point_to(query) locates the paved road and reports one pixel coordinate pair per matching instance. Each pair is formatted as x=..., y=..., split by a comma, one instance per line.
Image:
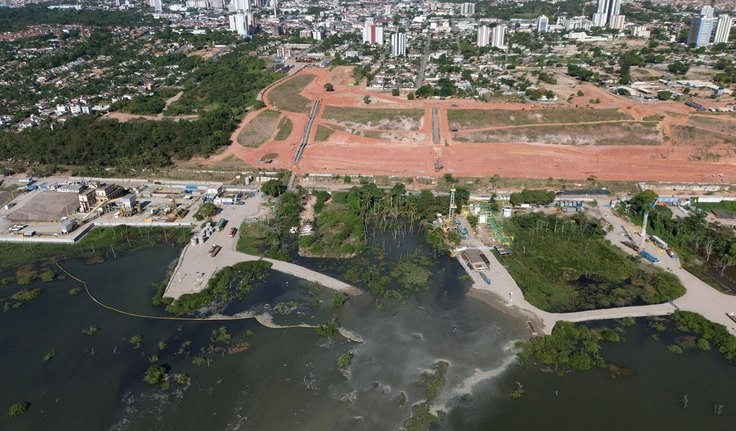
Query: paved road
x=423, y=63
x=700, y=297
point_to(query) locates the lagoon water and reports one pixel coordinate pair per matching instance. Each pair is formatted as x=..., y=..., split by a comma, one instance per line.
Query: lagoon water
x=288, y=378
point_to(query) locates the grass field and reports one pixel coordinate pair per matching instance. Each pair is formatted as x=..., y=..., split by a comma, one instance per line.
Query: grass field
x=286, y=96
x=323, y=133
x=375, y=118
x=715, y=124
x=584, y=134
x=285, y=126
x=479, y=118
x=702, y=137
x=259, y=130
x=728, y=207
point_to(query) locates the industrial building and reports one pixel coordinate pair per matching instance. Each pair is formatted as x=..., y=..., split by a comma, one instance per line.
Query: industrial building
x=476, y=260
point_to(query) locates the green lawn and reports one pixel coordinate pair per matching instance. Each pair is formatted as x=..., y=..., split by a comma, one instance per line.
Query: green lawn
x=724, y=206
x=286, y=95
x=284, y=130
x=255, y=238
x=259, y=130
x=323, y=133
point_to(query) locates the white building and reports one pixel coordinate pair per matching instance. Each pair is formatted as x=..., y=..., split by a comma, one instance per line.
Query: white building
x=707, y=11
x=242, y=19
x=237, y=5
x=239, y=23
x=543, y=24
x=373, y=34
x=607, y=9
x=723, y=29
x=640, y=31
x=498, y=36
x=617, y=22
x=156, y=4
x=701, y=28
x=398, y=44
x=467, y=9
x=484, y=36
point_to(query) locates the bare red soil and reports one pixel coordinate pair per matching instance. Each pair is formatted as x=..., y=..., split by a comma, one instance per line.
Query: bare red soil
x=413, y=153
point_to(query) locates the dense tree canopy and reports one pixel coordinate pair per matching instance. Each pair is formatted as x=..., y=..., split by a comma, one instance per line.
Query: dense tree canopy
x=13, y=19
x=225, y=87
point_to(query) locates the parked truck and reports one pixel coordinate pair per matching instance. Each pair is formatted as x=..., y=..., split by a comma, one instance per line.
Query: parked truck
x=221, y=224
x=214, y=250
x=648, y=256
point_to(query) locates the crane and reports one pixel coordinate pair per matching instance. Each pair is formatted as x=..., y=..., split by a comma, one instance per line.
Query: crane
x=644, y=225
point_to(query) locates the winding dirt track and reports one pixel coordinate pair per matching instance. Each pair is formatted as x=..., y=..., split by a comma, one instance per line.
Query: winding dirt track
x=412, y=153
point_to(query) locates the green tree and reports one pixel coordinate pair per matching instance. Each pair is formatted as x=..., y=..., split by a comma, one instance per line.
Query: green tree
x=395, y=92
x=367, y=99
x=273, y=188
x=154, y=374
x=664, y=95
x=136, y=341
x=678, y=68
x=18, y=409
x=329, y=87
x=205, y=210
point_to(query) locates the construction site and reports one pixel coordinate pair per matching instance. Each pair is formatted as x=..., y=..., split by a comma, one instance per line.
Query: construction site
x=356, y=130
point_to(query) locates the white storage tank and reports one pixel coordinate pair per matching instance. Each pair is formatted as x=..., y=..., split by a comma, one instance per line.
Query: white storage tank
x=483, y=218
x=507, y=212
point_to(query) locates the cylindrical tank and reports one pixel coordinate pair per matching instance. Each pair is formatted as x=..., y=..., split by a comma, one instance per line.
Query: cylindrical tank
x=507, y=212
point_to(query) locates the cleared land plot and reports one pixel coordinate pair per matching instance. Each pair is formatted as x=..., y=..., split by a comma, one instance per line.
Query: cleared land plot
x=375, y=118
x=701, y=137
x=46, y=206
x=323, y=133
x=584, y=134
x=480, y=118
x=259, y=130
x=285, y=126
x=286, y=96
x=714, y=124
